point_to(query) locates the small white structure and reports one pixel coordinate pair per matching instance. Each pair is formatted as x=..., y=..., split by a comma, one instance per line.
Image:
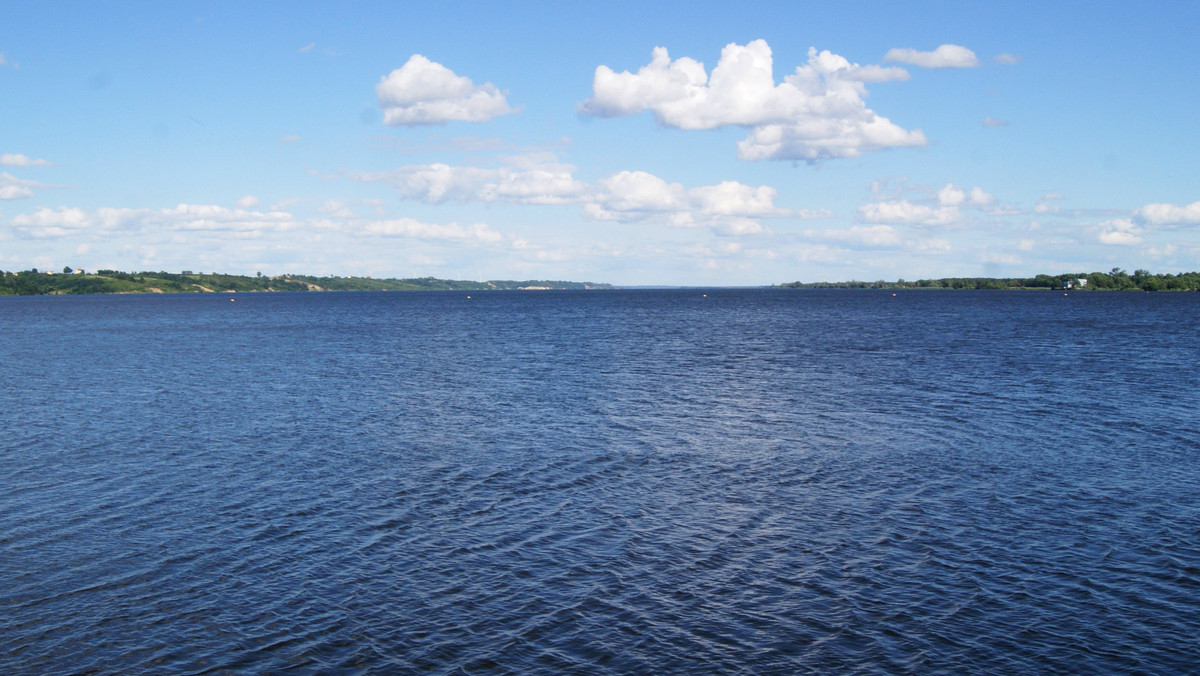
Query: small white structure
x=1081, y=282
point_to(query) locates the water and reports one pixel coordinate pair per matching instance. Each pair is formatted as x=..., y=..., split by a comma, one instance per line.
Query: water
x=605, y=482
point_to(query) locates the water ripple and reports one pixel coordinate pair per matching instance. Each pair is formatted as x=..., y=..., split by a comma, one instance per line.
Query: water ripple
x=762, y=482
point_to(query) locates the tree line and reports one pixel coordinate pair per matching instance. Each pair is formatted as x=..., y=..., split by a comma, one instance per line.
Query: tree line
x=1113, y=280
x=33, y=282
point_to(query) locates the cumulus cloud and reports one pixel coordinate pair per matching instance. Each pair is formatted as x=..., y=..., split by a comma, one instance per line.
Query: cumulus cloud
x=951, y=195
x=1006, y=59
x=1120, y=232
x=248, y=202
x=817, y=112
x=1168, y=214
x=18, y=160
x=945, y=56
x=423, y=92
x=728, y=208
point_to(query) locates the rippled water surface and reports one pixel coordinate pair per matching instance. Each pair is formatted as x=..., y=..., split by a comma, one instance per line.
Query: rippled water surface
x=610, y=482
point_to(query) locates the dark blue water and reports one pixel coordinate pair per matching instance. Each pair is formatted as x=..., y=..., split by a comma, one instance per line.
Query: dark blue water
x=601, y=482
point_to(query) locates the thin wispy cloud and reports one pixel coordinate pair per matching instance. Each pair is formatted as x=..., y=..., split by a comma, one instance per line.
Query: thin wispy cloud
x=945, y=56
x=19, y=160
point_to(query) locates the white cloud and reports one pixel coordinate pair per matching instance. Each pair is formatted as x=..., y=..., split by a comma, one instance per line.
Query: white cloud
x=817, y=112
x=14, y=192
x=993, y=122
x=248, y=201
x=337, y=209
x=1168, y=214
x=728, y=208
x=307, y=48
x=1045, y=204
x=408, y=227
x=945, y=56
x=63, y=221
x=632, y=195
x=52, y=223
x=875, y=236
x=1006, y=59
x=951, y=195
x=980, y=198
x=730, y=198
x=627, y=196
x=904, y=211
x=528, y=182
x=18, y=160
x=13, y=188
x=948, y=211
x=290, y=138
x=426, y=92
x=1121, y=232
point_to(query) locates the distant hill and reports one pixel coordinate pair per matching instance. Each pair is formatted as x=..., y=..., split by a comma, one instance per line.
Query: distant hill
x=1113, y=280
x=32, y=282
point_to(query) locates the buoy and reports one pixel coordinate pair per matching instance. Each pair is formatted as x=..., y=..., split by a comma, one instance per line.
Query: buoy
x=230, y=300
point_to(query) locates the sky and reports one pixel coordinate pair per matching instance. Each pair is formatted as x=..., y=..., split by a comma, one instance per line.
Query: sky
x=634, y=143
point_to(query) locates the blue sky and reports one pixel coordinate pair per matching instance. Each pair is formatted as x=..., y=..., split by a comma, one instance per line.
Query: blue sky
x=631, y=143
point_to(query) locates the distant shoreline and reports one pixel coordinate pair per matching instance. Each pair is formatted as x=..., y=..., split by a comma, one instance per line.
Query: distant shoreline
x=34, y=283
x=75, y=282
x=1114, y=280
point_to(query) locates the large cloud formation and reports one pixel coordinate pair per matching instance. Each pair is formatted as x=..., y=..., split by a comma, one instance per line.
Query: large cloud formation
x=425, y=92
x=817, y=112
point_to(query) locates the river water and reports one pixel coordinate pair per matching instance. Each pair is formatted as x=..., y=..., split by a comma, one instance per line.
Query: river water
x=683, y=481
